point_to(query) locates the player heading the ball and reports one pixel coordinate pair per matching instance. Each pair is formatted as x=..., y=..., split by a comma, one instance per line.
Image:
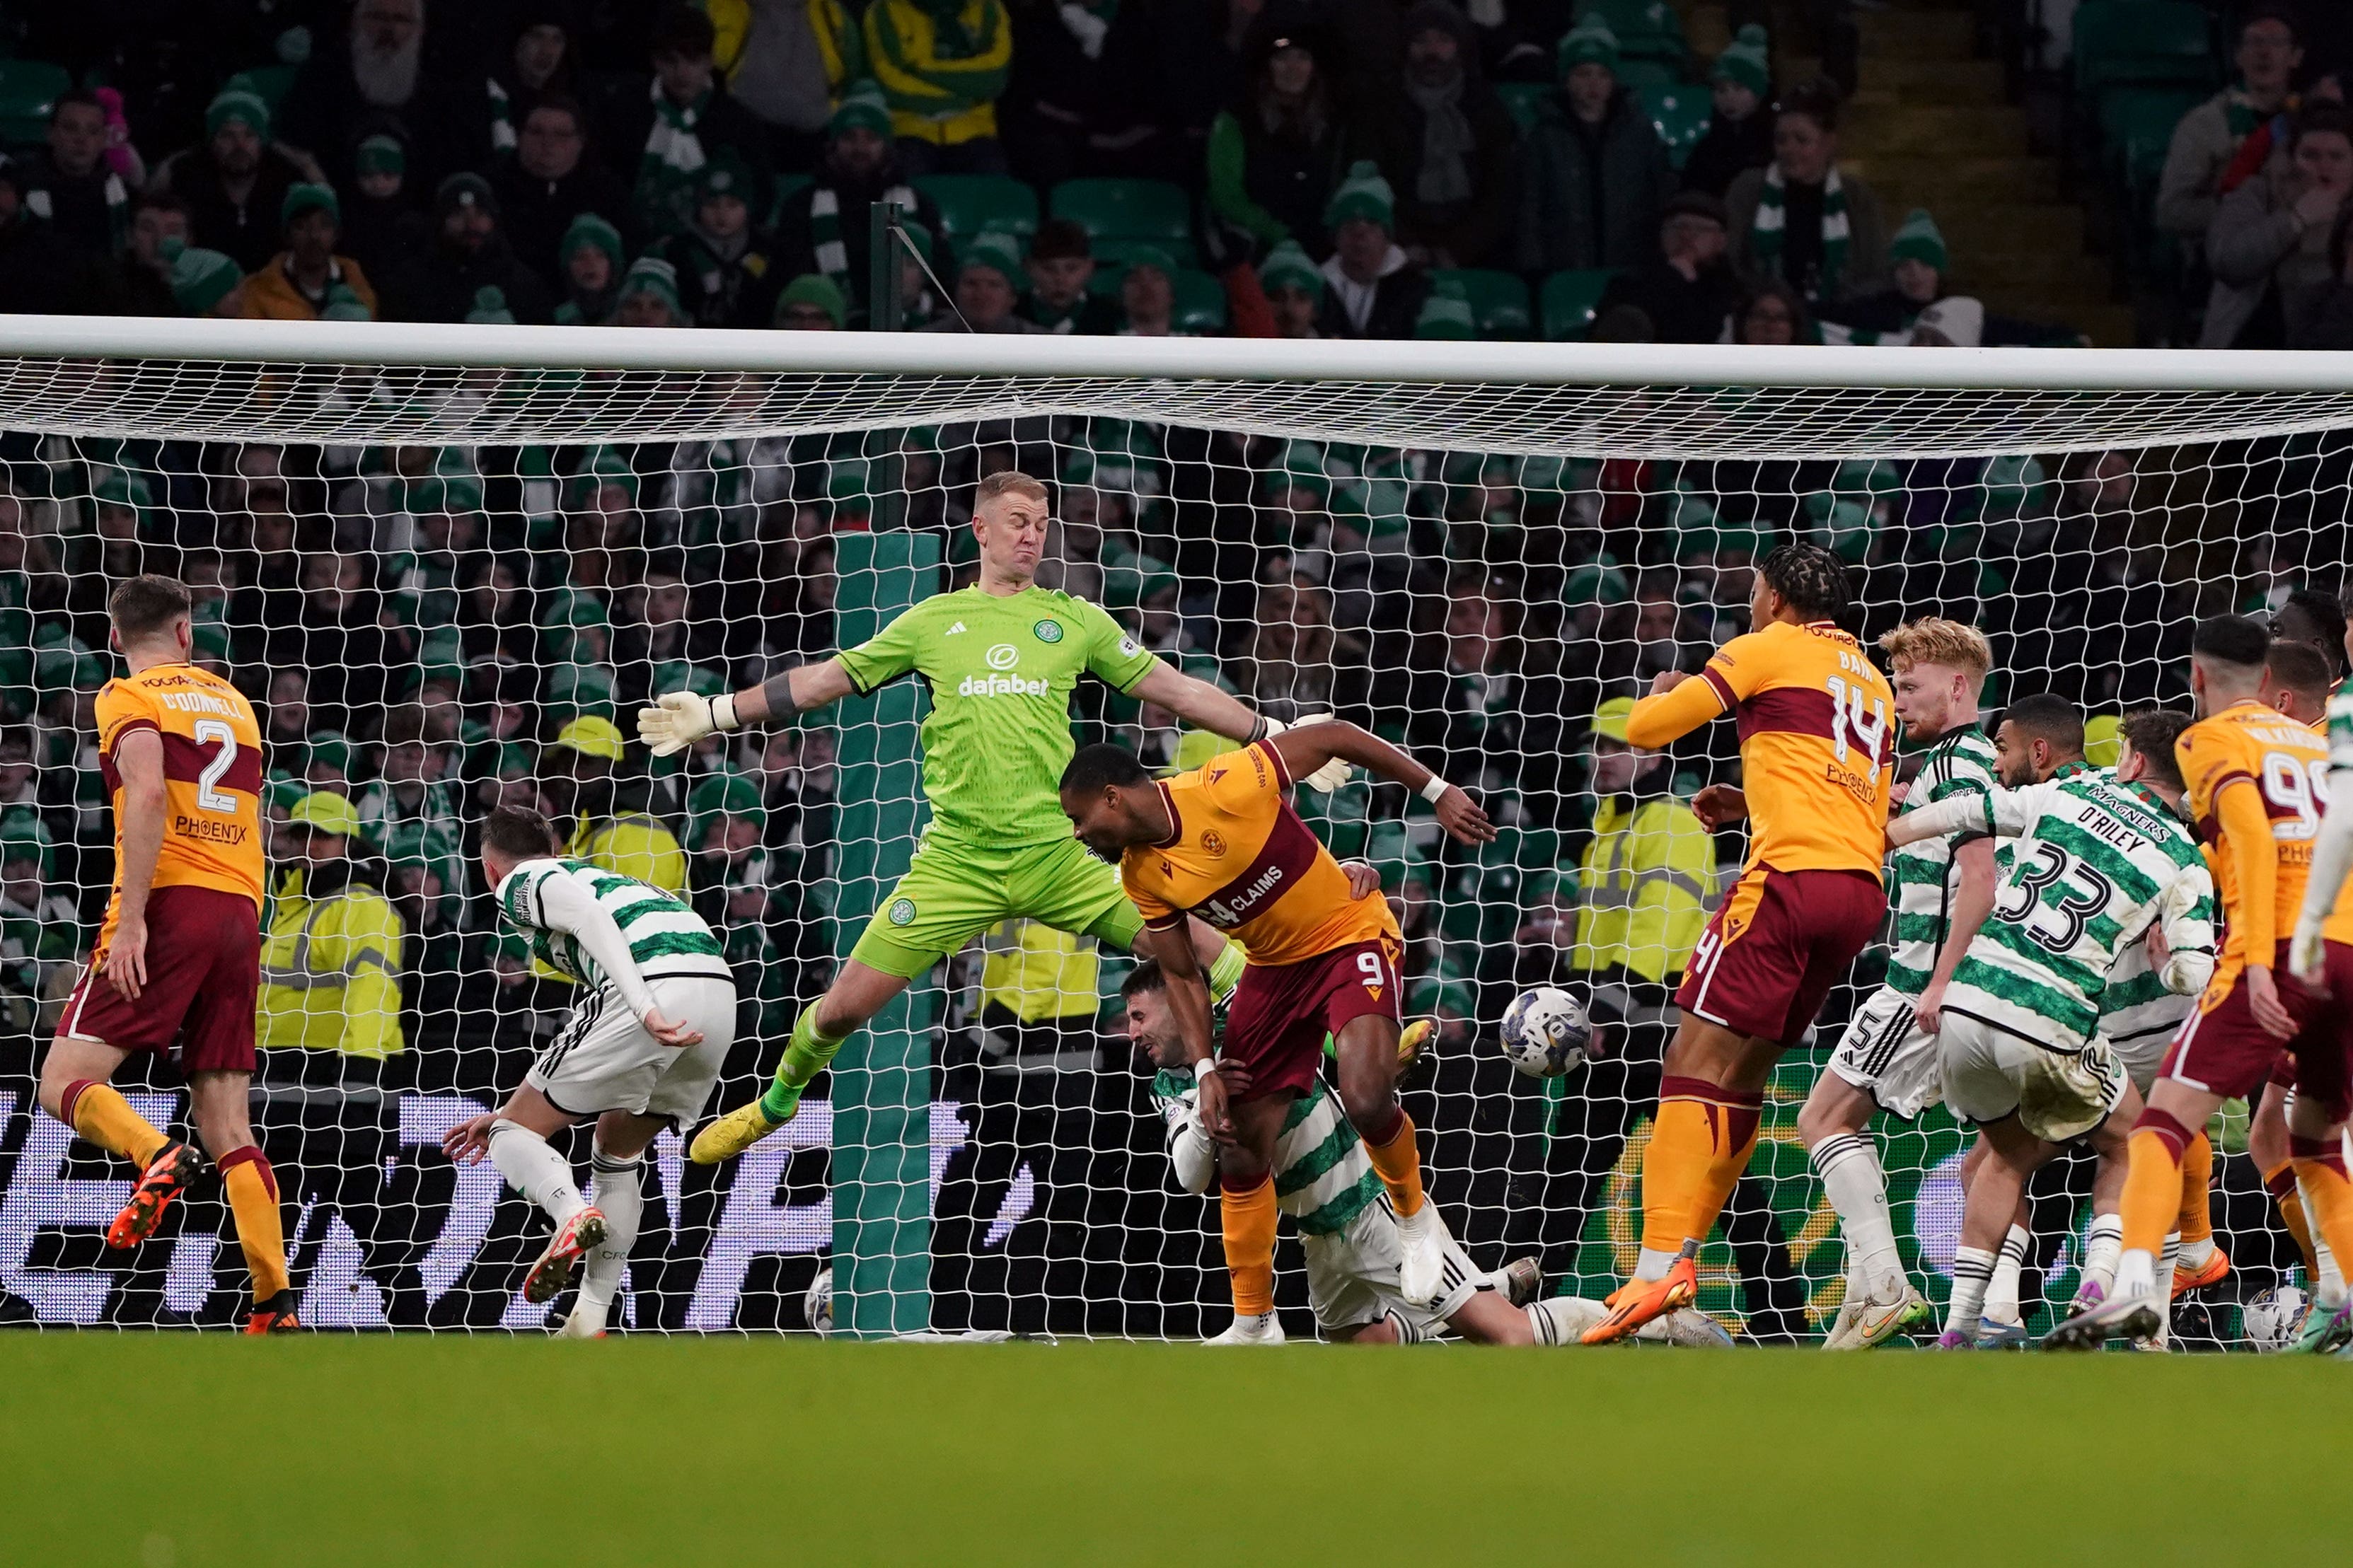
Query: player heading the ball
x=1222, y=843
x=1002, y=661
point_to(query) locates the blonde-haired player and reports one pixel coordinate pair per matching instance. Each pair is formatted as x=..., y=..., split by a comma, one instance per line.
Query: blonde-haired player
x=178, y=961
x=1939, y=891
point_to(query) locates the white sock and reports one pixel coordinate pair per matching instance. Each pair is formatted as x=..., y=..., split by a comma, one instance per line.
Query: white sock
x=2101, y=1248
x=1848, y=1164
x=535, y=1170
x=2329, y=1289
x=621, y=1194
x=2136, y=1274
x=2001, y=1295
x=1653, y=1264
x=2166, y=1262
x=1972, y=1272
x=2194, y=1254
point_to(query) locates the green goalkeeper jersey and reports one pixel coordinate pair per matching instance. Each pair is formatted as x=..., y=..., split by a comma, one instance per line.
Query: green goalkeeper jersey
x=1001, y=671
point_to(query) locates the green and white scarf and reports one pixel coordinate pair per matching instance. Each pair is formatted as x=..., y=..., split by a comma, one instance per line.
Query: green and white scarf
x=674, y=151
x=503, y=125
x=824, y=235
x=1769, y=229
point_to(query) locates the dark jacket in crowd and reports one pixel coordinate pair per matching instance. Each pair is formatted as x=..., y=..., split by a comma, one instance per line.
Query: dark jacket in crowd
x=248, y=231
x=1473, y=227
x=1117, y=113
x=721, y=123
x=535, y=213
x=1728, y=147
x=91, y=211
x=1397, y=299
x=725, y=285
x=1680, y=309
x=447, y=283
x=1590, y=194
x=797, y=227
x=44, y=274
x=325, y=115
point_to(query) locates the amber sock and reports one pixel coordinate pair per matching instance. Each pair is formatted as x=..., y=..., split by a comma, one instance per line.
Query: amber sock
x=1397, y=1159
x=2196, y=1220
x=2279, y=1182
x=2327, y=1194
x=260, y=1232
x=1699, y=1146
x=100, y=1114
x=2152, y=1200
x=1249, y=1218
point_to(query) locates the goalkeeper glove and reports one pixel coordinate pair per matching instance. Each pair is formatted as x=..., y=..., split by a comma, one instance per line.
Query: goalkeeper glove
x=1331, y=774
x=683, y=718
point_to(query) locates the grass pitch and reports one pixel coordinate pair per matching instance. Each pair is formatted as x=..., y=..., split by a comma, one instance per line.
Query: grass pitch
x=174, y=1451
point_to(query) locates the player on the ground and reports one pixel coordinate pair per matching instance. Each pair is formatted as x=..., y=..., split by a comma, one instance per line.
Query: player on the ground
x=2257, y=782
x=2322, y=955
x=1325, y=1182
x=647, y=1037
x=2096, y=866
x=1817, y=749
x=1002, y=659
x=178, y=959
x=1223, y=843
x=1939, y=890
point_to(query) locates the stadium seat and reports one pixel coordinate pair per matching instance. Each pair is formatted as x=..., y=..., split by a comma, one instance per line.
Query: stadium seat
x=28, y=89
x=2120, y=43
x=1569, y=298
x=1126, y=209
x=1646, y=29
x=1120, y=252
x=1647, y=76
x=1681, y=112
x=1200, y=301
x=269, y=83
x=1499, y=300
x=1522, y=99
x=782, y=191
x=971, y=203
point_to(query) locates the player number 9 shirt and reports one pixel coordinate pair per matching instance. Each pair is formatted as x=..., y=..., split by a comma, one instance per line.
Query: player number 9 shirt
x=1241, y=859
x=212, y=779
x=2288, y=765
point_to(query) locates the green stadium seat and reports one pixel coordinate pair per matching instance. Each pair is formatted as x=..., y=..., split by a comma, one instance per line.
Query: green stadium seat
x=970, y=203
x=1646, y=29
x=269, y=83
x=2137, y=127
x=2120, y=43
x=1499, y=300
x=1200, y=301
x=1120, y=252
x=1680, y=111
x=1644, y=76
x=1125, y=209
x=1522, y=99
x=28, y=89
x=1569, y=298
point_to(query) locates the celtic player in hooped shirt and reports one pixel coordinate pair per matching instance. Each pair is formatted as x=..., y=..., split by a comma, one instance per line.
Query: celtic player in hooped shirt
x=1002, y=659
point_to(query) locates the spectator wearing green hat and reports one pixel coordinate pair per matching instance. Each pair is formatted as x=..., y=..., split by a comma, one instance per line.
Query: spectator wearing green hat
x=1801, y=218
x=205, y=283
x=1739, y=134
x=1594, y=173
x=383, y=224
x=728, y=270
x=822, y=228
x=1445, y=144
x=987, y=287
x=1922, y=269
x=1293, y=291
x=1446, y=316
x=812, y=303
x=590, y=262
x=1372, y=288
x=1147, y=295
x=297, y=283
x=551, y=181
x=233, y=181
x=471, y=252
x=649, y=296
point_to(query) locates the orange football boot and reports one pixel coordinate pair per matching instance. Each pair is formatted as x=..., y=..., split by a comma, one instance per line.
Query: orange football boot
x=1638, y=1302
x=2216, y=1268
x=167, y=1176
x=275, y=1316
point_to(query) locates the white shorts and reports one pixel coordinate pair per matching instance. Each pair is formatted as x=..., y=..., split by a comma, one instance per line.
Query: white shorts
x=1991, y=1073
x=1352, y=1277
x=1887, y=1056
x=604, y=1059
x=2141, y=1055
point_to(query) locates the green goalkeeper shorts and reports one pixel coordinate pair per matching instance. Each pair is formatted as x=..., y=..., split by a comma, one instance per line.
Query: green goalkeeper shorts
x=953, y=891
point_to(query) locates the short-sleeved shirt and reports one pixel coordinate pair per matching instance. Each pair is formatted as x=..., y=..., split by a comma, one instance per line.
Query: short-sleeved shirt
x=2285, y=761
x=2339, y=926
x=212, y=779
x=1817, y=745
x=1240, y=857
x=1001, y=670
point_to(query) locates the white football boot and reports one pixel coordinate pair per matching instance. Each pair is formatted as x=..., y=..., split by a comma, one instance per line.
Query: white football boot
x=1264, y=1329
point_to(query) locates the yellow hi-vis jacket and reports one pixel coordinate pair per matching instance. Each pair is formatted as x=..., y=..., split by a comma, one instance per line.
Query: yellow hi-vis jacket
x=1038, y=973
x=329, y=972
x=634, y=845
x=1645, y=882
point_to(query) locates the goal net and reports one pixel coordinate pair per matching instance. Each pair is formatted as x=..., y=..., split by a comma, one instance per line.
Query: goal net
x=448, y=566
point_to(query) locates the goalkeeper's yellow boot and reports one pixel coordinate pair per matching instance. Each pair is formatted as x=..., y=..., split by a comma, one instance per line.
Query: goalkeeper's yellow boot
x=742, y=1127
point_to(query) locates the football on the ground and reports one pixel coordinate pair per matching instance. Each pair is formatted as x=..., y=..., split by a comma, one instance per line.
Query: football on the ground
x=2272, y=1319
x=817, y=1307
x=1546, y=1032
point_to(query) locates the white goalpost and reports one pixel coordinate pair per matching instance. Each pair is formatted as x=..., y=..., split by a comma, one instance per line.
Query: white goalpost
x=431, y=556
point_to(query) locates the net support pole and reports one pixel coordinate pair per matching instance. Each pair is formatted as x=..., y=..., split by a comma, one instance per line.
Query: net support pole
x=885, y=311
x=882, y=1079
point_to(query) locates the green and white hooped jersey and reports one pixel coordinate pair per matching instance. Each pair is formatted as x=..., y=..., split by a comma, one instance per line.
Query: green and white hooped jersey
x=2340, y=727
x=1322, y=1177
x=665, y=936
x=1920, y=878
x=2096, y=865
x=2136, y=1008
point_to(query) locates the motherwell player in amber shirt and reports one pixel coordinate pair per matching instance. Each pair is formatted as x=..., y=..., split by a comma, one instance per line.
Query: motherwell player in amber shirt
x=1222, y=843
x=178, y=961
x=1817, y=750
x=2257, y=788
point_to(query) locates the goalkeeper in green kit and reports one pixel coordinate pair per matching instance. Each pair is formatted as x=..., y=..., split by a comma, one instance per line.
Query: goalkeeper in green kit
x=1002, y=659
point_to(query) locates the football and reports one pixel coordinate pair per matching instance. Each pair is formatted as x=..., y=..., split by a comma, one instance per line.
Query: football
x=1546, y=1032
x=2273, y=1318
x=817, y=1305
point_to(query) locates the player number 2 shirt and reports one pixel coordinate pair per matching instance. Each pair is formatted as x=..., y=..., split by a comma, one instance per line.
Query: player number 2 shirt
x=212, y=779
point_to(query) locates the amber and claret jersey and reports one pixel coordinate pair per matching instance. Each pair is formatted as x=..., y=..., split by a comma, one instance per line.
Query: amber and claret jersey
x=2287, y=764
x=1241, y=859
x=212, y=779
x=1817, y=742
